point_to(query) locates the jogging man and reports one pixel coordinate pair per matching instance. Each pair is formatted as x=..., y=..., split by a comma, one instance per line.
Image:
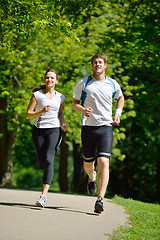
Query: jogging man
x=96, y=93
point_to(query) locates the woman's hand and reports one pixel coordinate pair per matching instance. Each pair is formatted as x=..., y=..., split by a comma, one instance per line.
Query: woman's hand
x=46, y=109
x=64, y=127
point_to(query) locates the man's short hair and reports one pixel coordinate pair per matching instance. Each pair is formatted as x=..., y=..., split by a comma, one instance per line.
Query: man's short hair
x=99, y=55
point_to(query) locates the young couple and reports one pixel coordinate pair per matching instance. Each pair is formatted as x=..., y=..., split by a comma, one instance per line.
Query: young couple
x=92, y=97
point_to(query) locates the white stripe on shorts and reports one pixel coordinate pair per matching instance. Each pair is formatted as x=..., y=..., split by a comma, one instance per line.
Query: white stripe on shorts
x=107, y=154
x=87, y=158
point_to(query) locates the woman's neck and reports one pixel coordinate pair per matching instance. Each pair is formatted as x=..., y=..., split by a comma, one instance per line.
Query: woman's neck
x=49, y=90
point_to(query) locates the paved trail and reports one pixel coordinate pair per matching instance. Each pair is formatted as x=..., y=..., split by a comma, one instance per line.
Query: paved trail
x=66, y=217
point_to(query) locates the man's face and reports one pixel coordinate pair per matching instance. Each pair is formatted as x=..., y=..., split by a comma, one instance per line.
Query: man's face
x=98, y=66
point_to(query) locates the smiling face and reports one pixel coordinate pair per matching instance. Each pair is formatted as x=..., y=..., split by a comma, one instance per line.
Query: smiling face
x=98, y=66
x=51, y=80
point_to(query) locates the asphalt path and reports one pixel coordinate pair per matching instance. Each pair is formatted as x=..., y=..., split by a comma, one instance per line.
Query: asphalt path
x=65, y=217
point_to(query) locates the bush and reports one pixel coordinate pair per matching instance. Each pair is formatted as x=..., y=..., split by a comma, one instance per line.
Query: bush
x=28, y=178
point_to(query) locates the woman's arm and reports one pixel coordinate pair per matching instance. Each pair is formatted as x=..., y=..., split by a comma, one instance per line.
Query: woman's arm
x=61, y=117
x=30, y=110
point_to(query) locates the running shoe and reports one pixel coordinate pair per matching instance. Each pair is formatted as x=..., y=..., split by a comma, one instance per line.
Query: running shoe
x=41, y=201
x=98, y=208
x=92, y=184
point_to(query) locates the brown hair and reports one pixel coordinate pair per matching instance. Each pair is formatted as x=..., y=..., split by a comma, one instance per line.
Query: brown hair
x=43, y=86
x=51, y=70
x=99, y=55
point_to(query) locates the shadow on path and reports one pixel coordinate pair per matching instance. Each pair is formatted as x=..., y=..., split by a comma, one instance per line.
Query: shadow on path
x=34, y=207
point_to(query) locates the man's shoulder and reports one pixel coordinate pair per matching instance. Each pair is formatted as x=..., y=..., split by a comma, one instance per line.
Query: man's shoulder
x=113, y=81
x=83, y=81
x=86, y=78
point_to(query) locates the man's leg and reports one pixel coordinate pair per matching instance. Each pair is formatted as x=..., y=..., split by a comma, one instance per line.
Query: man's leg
x=89, y=169
x=89, y=146
x=103, y=176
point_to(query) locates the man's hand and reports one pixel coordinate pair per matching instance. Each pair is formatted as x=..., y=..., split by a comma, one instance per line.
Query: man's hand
x=88, y=111
x=116, y=119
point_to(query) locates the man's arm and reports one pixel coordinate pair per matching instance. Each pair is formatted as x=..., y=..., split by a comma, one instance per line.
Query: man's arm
x=79, y=108
x=120, y=104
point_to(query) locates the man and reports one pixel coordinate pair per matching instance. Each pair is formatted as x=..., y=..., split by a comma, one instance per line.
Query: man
x=96, y=93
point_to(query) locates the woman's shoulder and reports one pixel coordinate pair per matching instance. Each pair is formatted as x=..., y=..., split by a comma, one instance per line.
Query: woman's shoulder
x=59, y=94
x=38, y=94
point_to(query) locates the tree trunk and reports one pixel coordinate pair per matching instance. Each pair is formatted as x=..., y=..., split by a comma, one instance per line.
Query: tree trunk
x=79, y=179
x=63, y=178
x=7, y=143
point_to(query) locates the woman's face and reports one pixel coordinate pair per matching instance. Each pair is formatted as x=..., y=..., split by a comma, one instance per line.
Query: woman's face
x=51, y=80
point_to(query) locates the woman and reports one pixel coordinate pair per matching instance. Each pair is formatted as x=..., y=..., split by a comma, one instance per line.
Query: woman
x=46, y=106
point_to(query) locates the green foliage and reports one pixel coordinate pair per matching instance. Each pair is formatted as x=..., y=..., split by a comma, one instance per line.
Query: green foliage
x=22, y=31
x=143, y=223
x=28, y=178
x=24, y=153
x=64, y=35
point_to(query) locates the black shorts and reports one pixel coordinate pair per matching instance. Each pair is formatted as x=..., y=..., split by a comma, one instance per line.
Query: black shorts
x=96, y=142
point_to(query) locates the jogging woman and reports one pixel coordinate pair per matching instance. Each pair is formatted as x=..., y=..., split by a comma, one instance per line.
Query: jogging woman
x=46, y=105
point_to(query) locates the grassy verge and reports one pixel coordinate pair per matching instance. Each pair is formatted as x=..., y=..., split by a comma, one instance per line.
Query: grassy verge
x=144, y=220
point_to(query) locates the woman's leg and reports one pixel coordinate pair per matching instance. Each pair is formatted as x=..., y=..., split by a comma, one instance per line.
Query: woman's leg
x=46, y=142
x=52, y=140
x=45, y=189
x=39, y=145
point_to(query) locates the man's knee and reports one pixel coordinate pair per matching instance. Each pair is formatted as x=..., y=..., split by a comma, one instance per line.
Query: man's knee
x=103, y=162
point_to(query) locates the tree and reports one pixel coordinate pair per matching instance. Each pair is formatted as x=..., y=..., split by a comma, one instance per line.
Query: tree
x=139, y=53
x=28, y=30
x=22, y=25
x=133, y=61
x=128, y=33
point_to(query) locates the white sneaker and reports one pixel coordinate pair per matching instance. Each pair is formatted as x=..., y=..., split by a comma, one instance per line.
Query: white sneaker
x=41, y=201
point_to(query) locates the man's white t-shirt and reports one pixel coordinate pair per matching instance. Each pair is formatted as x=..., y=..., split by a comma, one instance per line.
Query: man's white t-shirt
x=99, y=98
x=49, y=119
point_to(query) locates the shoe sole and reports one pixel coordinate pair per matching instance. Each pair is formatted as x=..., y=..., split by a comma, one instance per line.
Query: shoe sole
x=39, y=205
x=98, y=209
x=92, y=193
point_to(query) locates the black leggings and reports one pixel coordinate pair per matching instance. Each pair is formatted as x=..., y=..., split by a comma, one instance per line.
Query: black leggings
x=46, y=142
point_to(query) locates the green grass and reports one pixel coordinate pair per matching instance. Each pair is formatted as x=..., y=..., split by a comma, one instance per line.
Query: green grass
x=144, y=221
